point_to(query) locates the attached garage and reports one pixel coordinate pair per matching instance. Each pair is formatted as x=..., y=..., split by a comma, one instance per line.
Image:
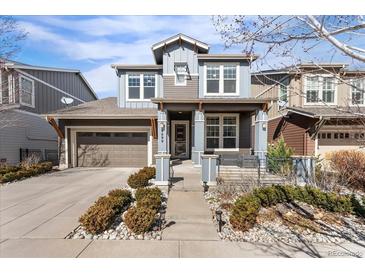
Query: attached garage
x=112, y=149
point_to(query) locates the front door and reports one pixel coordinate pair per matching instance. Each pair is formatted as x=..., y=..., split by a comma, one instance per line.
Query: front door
x=180, y=139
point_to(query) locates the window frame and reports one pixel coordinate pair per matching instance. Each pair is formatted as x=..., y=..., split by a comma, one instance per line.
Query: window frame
x=221, y=131
x=185, y=75
x=221, y=92
x=32, y=105
x=284, y=82
x=141, y=87
x=352, y=89
x=320, y=89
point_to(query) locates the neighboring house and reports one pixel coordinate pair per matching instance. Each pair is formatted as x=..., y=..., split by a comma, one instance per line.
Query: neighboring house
x=187, y=104
x=320, y=108
x=26, y=92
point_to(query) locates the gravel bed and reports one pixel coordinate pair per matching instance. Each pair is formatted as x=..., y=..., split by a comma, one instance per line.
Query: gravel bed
x=119, y=231
x=276, y=229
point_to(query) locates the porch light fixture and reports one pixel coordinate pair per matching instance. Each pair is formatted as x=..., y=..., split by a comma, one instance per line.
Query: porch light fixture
x=218, y=216
x=205, y=187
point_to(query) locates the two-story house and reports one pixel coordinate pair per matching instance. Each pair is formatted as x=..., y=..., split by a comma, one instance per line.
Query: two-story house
x=26, y=92
x=320, y=108
x=188, y=103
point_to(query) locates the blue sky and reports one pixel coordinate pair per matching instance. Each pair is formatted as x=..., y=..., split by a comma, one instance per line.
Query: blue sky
x=92, y=43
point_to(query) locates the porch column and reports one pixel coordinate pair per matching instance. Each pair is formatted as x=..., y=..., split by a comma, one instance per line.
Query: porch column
x=199, y=129
x=163, y=156
x=162, y=132
x=261, y=135
x=209, y=169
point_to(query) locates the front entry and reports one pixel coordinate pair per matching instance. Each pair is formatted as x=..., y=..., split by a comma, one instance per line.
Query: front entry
x=180, y=139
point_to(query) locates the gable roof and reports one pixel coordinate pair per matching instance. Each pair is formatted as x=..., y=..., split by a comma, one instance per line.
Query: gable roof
x=328, y=112
x=18, y=65
x=157, y=48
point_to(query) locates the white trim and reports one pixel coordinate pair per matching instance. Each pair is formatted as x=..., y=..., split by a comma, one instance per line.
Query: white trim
x=173, y=74
x=221, y=92
x=320, y=90
x=32, y=105
x=141, y=87
x=11, y=89
x=66, y=147
x=183, y=37
x=221, y=138
x=49, y=85
x=187, y=141
x=76, y=129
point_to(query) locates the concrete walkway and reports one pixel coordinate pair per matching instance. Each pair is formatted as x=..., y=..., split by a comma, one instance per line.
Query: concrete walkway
x=51, y=248
x=188, y=216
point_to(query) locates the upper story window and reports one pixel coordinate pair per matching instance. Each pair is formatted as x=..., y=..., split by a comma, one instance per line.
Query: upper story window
x=283, y=93
x=221, y=79
x=358, y=91
x=26, y=88
x=181, y=72
x=141, y=87
x=320, y=89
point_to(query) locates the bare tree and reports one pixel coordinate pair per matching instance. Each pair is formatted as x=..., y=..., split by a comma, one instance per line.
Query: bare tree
x=283, y=35
x=11, y=34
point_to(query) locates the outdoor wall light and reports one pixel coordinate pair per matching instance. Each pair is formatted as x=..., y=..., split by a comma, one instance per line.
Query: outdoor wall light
x=218, y=216
x=205, y=187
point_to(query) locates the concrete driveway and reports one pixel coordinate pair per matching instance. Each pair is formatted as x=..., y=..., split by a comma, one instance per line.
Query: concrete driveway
x=48, y=206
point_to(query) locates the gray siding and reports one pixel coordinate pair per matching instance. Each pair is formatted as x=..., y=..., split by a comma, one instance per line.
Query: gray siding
x=24, y=130
x=176, y=53
x=46, y=98
x=244, y=78
x=181, y=92
x=122, y=91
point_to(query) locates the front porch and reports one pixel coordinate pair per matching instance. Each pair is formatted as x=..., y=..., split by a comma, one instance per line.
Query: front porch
x=194, y=129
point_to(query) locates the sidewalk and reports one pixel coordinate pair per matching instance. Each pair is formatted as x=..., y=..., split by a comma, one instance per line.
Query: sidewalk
x=47, y=248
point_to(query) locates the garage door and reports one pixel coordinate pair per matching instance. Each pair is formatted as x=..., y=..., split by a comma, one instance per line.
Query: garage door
x=112, y=149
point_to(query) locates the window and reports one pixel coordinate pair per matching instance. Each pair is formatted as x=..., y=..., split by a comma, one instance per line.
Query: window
x=213, y=79
x=221, y=79
x=320, y=89
x=149, y=86
x=358, y=91
x=134, y=86
x=222, y=131
x=85, y=134
x=283, y=93
x=26, y=91
x=181, y=71
x=102, y=134
x=141, y=86
x=229, y=79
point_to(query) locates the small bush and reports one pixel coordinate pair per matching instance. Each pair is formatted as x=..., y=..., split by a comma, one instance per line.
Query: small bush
x=102, y=213
x=10, y=176
x=139, y=219
x=279, y=157
x=98, y=217
x=150, y=172
x=138, y=180
x=142, y=192
x=349, y=166
x=244, y=212
x=6, y=169
x=151, y=201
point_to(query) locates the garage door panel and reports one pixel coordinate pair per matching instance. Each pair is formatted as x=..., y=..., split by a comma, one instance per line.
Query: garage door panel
x=113, y=151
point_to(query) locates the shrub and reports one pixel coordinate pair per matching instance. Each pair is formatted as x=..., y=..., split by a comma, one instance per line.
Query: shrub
x=10, y=176
x=102, y=213
x=150, y=172
x=244, y=212
x=151, y=201
x=6, y=169
x=278, y=157
x=142, y=192
x=98, y=217
x=349, y=166
x=139, y=219
x=138, y=180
